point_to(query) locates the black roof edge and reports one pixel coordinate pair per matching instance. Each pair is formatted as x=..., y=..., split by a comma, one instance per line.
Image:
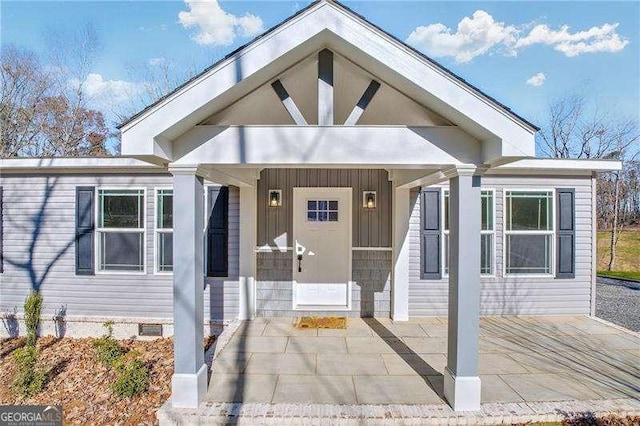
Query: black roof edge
x=351, y=11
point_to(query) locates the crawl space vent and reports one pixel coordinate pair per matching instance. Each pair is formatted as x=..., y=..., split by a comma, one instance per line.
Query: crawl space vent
x=150, y=330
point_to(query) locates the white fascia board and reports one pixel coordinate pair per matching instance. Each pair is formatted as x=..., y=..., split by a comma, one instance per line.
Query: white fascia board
x=71, y=165
x=331, y=145
x=329, y=26
x=557, y=165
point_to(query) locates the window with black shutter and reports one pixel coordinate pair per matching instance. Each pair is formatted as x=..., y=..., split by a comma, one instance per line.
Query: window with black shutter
x=430, y=234
x=566, y=238
x=218, y=232
x=85, y=229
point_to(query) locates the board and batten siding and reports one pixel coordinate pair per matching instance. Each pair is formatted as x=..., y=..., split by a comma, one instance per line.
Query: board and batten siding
x=39, y=211
x=371, y=228
x=514, y=295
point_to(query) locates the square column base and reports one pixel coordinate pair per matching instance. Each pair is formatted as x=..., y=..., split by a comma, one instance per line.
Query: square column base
x=462, y=393
x=187, y=390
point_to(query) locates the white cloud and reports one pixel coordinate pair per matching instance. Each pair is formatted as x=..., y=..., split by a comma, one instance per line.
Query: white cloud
x=215, y=26
x=475, y=36
x=537, y=79
x=481, y=34
x=107, y=92
x=595, y=39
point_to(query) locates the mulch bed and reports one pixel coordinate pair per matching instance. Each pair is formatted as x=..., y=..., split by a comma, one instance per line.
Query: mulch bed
x=82, y=385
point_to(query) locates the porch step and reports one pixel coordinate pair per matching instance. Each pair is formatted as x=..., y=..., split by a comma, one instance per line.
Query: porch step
x=294, y=414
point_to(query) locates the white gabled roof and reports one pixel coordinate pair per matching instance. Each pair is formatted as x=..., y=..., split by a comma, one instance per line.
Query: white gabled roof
x=327, y=24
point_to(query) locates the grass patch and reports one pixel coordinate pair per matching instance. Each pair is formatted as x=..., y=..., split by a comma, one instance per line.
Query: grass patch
x=620, y=274
x=627, y=253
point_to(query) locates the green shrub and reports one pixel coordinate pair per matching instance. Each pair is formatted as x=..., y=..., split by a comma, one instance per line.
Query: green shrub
x=30, y=378
x=32, y=308
x=108, y=351
x=132, y=377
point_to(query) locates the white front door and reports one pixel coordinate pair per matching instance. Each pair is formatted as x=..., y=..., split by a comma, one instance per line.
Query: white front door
x=322, y=248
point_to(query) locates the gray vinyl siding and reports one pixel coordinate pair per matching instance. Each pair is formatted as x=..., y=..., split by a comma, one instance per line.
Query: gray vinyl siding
x=371, y=228
x=50, y=202
x=514, y=295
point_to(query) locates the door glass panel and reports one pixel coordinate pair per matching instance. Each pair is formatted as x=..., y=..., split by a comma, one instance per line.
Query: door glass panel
x=322, y=210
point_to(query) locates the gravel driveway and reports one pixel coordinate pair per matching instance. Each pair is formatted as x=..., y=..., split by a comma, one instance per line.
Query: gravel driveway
x=618, y=301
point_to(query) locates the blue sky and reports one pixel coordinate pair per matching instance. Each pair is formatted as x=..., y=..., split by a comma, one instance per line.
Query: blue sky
x=498, y=47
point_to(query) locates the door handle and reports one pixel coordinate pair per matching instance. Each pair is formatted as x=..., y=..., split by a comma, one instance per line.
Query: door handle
x=299, y=263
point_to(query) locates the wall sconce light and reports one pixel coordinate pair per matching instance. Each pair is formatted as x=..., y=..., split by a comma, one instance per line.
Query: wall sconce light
x=275, y=197
x=369, y=199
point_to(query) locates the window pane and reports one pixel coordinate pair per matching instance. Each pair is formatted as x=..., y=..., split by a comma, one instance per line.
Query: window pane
x=312, y=216
x=121, y=251
x=529, y=254
x=487, y=210
x=165, y=210
x=333, y=216
x=333, y=205
x=312, y=205
x=322, y=216
x=486, y=253
x=121, y=209
x=529, y=211
x=165, y=251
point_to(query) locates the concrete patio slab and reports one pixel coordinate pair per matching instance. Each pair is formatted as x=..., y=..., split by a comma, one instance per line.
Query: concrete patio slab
x=257, y=344
x=315, y=390
x=421, y=364
x=529, y=367
x=395, y=390
x=242, y=388
x=261, y=363
x=548, y=387
x=495, y=389
x=375, y=345
x=351, y=364
x=427, y=345
x=286, y=330
x=493, y=363
x=317, y=345
x=435, y=330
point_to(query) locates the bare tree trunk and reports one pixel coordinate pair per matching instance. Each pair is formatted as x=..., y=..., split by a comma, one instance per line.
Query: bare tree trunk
x=614, y=227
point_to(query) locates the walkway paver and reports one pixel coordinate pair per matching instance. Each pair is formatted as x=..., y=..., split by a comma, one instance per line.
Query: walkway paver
x=526, y=366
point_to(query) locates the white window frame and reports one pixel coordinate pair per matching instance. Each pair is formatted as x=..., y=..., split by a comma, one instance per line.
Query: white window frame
x=482, y=232
x=506, y=233
x=100, y=230
x=157, y=231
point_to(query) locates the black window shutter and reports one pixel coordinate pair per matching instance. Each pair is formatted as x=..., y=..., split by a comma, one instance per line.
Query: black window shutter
x=218, y=232
x=566, y=233
x=85, y=229
x=1, y=233
x=430, y=235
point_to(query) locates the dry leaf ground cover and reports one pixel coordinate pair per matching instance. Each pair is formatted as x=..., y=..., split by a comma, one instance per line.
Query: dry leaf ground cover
x=81, y=384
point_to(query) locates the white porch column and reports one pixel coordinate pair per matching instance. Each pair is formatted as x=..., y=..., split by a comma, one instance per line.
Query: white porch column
x=461, y=381
x=248, y=241
x=400, y=270
x=189, y=382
